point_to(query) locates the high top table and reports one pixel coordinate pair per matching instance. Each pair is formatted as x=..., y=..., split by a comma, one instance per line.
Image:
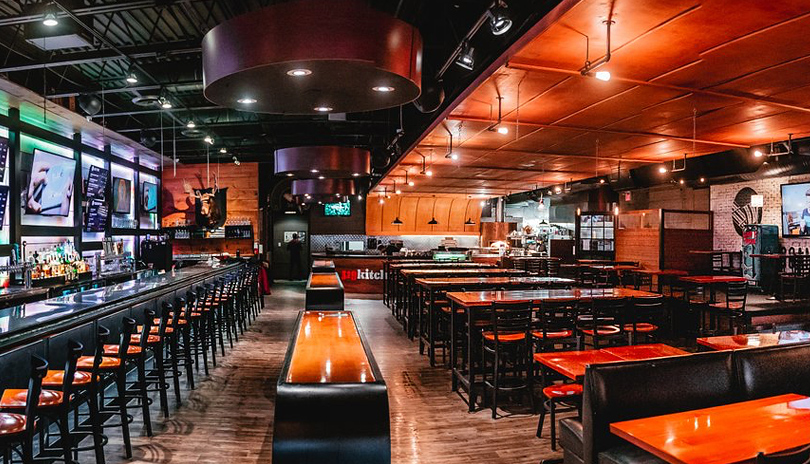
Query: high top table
x=572, y=364
x=467, y=302
x=430, y=288
x=736, y=342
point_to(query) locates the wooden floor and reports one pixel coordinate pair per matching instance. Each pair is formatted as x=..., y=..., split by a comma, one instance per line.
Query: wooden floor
x=229, y=417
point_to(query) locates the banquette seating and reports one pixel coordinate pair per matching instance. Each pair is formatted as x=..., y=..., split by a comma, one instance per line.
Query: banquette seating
x=635, y=389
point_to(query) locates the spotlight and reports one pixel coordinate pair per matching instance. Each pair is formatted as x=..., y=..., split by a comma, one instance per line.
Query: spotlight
x=323, y=109
x=314, y=171
x=299, y=72
x=132, y=78
x=499, y=21
x=758, y=154
x=246, y=101
x=557, y=190
x=411, y=184
x=191, y=125
x=503, y=130
x=601, y=181
x=451, y=156
x=465, y=58
x=209, y=140
x=662, y=170
x=702, y=180
x=383, y=88
x=236, y=161
x=429, y=173
x=50, y=17
x=223, y=150
x=602, y=75
x=289, y=174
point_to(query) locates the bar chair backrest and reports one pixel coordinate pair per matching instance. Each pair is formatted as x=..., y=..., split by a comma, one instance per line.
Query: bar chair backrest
x=128, y=326
x=39, y=368
x=736, y=295
x=511, y=318
x=650, y=309
x=553, y=267
x=558, y=315
x=75, y=349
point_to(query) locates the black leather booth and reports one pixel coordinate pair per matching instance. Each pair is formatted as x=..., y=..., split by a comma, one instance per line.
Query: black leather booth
x=630, y=390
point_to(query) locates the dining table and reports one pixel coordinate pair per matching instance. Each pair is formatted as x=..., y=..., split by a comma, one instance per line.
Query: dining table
x=662, y=276
x=754, y=340
x=430, y=289
x=393, y=277
x=730, y=433
x=464, y=376
x=572, y=364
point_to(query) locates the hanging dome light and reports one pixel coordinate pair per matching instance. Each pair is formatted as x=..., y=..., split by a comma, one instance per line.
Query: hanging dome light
x=469, y=222
x=397, y=221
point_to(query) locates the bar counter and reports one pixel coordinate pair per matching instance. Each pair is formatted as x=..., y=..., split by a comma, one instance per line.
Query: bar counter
x=331, y=402
x=30, y=322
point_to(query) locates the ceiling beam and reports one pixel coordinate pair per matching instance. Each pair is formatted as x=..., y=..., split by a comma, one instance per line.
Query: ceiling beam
x=540, y=153
x=94, y=10
x=601, y=131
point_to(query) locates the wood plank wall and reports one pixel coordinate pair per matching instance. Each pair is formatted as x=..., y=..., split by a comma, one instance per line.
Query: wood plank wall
x=451, y=211
x=642, y=245
x=242, y=183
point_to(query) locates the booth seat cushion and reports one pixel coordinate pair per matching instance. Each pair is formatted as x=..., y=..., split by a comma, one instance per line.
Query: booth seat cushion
x=630, y=390
x=571, y=436
x=775, y=370
x=628, y=454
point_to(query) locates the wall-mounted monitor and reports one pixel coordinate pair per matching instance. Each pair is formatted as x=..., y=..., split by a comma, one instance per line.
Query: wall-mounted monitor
x=50, y=186
x=122, y=195
x=149, y=193
x=337, y=209
x=796, y=210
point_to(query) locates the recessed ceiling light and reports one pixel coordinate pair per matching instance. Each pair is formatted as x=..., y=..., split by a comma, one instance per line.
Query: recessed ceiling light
x=356, y=174
x=246, y=101
x=662, y=170
x=321, y=177
x=602, y=75
x=314, y=171
x=299, y=72
x=503, y=130
x=383, y=88
x=289, y=174
x=323, y=109
x=428, y=173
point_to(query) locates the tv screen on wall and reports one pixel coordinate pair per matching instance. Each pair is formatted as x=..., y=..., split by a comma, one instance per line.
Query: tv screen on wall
x=50, y=186
x=150, y=200
x=337, y=209
x=796, y=210
x=122, y=195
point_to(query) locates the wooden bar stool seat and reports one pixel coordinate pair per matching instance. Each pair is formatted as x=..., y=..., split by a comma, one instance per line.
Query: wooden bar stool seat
x=107, y=363
x=643, y=327
x=113, y=350
x=154, y=330
x=567, y=392
x=504, y=338
x=152, y=339
x=562, y=391
x=554, y=335
x=11, y=424
x=15, y=398
x=56, y=378
x=602, y=330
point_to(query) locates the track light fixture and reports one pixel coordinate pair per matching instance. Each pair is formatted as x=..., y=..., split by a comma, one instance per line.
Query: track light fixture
x=499, y=20
x=465, y=57
x=590, y=68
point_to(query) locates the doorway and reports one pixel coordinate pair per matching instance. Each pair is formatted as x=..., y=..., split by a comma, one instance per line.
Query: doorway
x=284, y=225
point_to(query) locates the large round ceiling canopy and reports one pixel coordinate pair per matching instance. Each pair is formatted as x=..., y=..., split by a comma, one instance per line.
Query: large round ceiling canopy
x=311, y=57
x=326, y=161
x=311, y=190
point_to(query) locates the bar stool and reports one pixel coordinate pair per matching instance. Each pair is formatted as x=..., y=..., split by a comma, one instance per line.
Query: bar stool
x=733, y=307
x=508, y=344
x=19, y=429
x=555, y=327
x=604, y=323
x=646, y=318
x=568, y=393
x=53, y=405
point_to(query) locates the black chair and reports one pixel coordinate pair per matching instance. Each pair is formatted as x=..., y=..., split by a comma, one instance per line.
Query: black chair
x=507, y=344
x=646, y=318
x=555, y=327
x=794, y=279
x=553, y=266
x=603, y=324
x=20, y=429
x=733, y=307
x=799, y=456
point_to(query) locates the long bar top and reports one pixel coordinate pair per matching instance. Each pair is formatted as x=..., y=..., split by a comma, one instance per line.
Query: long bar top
x=328, y=349
x=23, y=323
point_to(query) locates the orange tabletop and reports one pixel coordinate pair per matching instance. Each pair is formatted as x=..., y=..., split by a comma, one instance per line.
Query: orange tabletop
x=328, y=349
x=772, y=255
x=444, y=281
x=324, y=280
x=736, y=342
x=323, y=263
x=713, y=279
x=434, y=264
x=723, y=434
x=484, y=298
x=572, y=364
x=662, y=272
x=617, y=267
x=641, y=352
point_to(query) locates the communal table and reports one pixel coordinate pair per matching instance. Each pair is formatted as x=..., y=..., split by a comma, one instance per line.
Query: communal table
x=395, y=281
x=406, y=299
x=572, y=364
x=429, y=288
x=660, y=274
x=736, y=342
x=467, y=302
x=734, y=432
x=324, y=291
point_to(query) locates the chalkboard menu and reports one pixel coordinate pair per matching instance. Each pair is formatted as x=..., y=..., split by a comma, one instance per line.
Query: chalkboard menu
x=3, y=158
x=3, y=201
x=97, y=209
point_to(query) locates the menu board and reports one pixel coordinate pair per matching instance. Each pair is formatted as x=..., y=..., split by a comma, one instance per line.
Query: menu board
x=3, y=201
x=3, y=157
x=97, y=182
x=97, y=212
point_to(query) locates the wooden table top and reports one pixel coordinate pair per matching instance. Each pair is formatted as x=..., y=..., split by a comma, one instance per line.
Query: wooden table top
x=711, y=252
x=323, y=280
x=572, y=364
x=610, y=267
x=666, y=272
x=712, y=279
x=723, y=434
x=462, y=271
x=487, y=297
x=736, y=342
x=773, y=255
x=444, y=281
x=462, y=265
x=323, y=264
x=328, y=349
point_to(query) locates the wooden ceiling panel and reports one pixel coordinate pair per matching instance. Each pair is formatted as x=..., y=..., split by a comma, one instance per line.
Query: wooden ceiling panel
x=740, y=64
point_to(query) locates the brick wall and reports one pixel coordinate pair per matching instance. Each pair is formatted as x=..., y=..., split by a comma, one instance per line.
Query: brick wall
x=722, y=203
x=666, y=197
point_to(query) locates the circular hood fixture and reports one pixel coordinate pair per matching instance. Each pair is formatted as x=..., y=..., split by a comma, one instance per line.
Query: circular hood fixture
x=147, y=100
x=326, y=161
x=302, y=56
x=329, y=190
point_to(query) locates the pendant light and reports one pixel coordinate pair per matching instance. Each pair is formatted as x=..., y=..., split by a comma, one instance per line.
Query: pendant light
x=397, y=221
x=433, y=220
x=469, y=221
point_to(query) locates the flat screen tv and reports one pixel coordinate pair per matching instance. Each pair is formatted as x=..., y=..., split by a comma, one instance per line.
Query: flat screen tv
x=50, y=186
x=122, y=195
x=796, y=210
x=337, y=209
x=150, y=197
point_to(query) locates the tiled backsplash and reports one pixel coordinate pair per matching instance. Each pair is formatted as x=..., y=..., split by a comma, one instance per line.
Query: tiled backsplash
x=414, y=242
